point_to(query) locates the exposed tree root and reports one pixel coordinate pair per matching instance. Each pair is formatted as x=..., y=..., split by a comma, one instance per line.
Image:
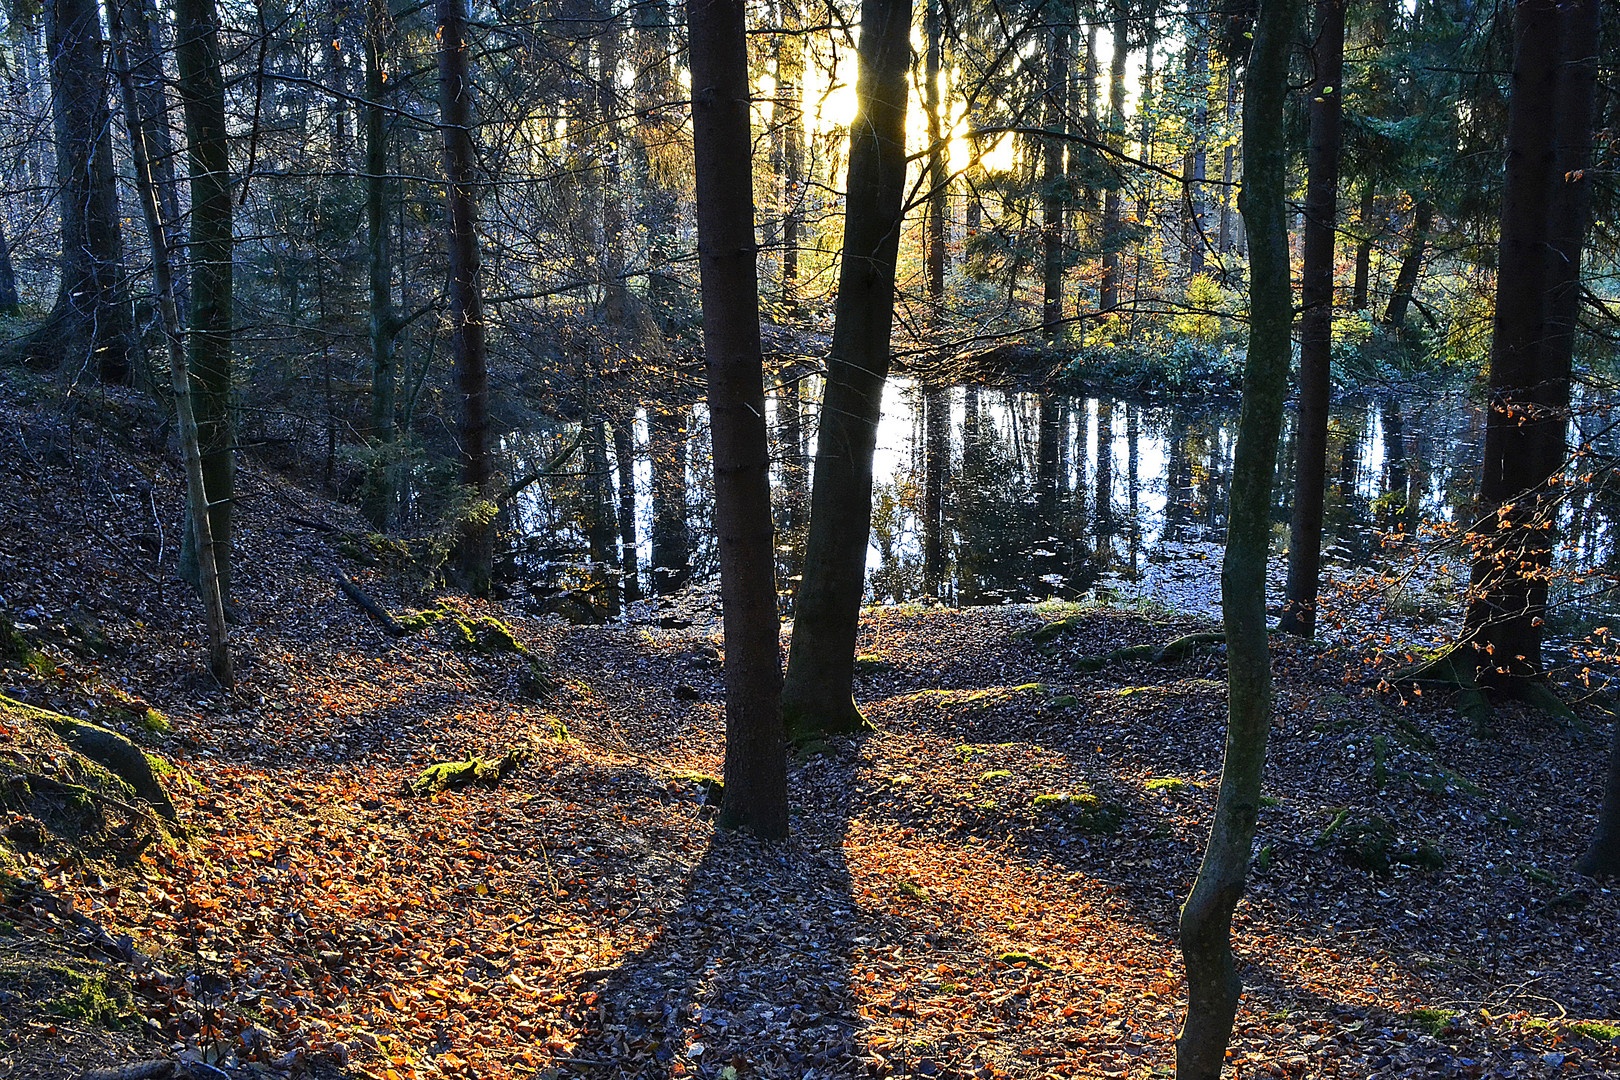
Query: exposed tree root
x=1168, y=653
x=1448, y=671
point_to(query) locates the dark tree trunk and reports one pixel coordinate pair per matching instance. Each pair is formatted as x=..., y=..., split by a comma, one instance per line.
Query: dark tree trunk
x=790, y=106
x=146, y=42
x=89, y=324
x=1602, y=858
x=202, y=96
x=756, y=766
x=601, y=527
x=936, y=467
x=1544, y=219
x=795, y=478
x=624, y=454
x=10, y=302
x=1053, y=187
x=1108, y=291
x=197, y=521
x=938, y=180
x=475, y=544
x=1316, y=325
x=818, y=694
x=385, y=322
x=1198, y=87
x=1361, y=292
x=1411, y=265
x=667, y=431
x=1213, y=985
x=1228, y=153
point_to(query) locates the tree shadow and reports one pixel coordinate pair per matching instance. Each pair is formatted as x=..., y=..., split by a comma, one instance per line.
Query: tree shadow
x=751, y=971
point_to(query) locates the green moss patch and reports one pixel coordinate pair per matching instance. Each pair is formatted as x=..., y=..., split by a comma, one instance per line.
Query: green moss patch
x=449, y=775
x=1083, y=812
x=1434, y=1021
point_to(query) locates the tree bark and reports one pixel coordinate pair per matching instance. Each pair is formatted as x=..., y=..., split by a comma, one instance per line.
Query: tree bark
x=1360, y=293
x=384, y=321
x=667, y=428
x=202, y=96
x=936, y=468
x=756, y=765
x=1213, y=985
x=147, y=185
x=1316, y=325
x=1108, y=291
x=790, y=115
x=89, y=324
x=475, y=546
x=818, y=694
x=1198, y=80
x=1054, y=195
x=624, y=454
x=1411, y=265
x=1544, y=217
x=1602, y=857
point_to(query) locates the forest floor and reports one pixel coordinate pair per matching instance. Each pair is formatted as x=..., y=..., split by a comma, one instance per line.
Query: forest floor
x=985, y=885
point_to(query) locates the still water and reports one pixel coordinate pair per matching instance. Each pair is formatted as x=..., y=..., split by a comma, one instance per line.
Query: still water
x=1046, y=496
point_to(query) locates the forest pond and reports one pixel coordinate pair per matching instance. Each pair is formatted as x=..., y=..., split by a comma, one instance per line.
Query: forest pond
x=1047, y=496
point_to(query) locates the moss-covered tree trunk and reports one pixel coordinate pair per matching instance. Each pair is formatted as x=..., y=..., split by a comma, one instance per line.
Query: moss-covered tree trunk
x=475, y=544
x=208, y=346
x=756, y=766
x=1213, y=985
x=819, y=692
x=1316, y=324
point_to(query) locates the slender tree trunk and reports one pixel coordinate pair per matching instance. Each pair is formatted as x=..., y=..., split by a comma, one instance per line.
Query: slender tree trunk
x=790, y=110
x=89, y=325
x=385, y=322
x=1108, y=292
x=615, y=290
x=475, y=545
x=818, y=693
x=1198, y=80
x=1360, y=293
x=208, y=584
x=667, y=431
x=756, y=766
x=1316, y=325
x=145, y=41
x=624, y=453
x=1213, y=985
x=202, y=96
x=936, y=468
x=1411, y=264
x=938, y=181
x=10, y=301
x=601, y=528
x=1054, y=189
x=1544, y=218
x=1228, y=173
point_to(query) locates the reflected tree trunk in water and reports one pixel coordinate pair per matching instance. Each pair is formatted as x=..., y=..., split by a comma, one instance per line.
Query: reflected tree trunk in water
x=624, y=452
x=1105, y=484
x=1046, y=539
x=1132, y=459
x=667, y=431
x=1177, y=477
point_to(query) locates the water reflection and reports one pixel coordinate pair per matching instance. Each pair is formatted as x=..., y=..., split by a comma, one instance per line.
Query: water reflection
x=989, y=496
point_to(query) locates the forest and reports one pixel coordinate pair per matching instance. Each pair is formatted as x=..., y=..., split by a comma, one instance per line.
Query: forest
x=996, y=538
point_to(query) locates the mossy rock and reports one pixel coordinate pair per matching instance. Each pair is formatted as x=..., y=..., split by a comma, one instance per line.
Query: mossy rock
x=1083, y=812
x=449, y=775
x=130, y=769
x=872, y=665
x=995, y=774
x=1371, y=842
x=486, y=635
x=1172, y=784
x=93, y=995
x=714, y=790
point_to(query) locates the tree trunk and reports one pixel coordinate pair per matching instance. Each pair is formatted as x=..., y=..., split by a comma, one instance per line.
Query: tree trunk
x=601, y=528
x=756, y=766
x=10, y=301
x=208, y=583
x=1198, y=80
x=202, y=96
x=818, y=694
x=475, y=544
x=624, y=453
x=1053, y=188
x=385, y=322
x=1228, y=153
x=1108, y=291
x=1411, y=264
x=89, y=324
x=667, y=430
x=1213, y=985
x=1360, y=293
x=146, y=43
x=790, y=107
x=1602, y=858
x=936, y=467
x=938, y=181
x=1544, y=218
x=1316, y=325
